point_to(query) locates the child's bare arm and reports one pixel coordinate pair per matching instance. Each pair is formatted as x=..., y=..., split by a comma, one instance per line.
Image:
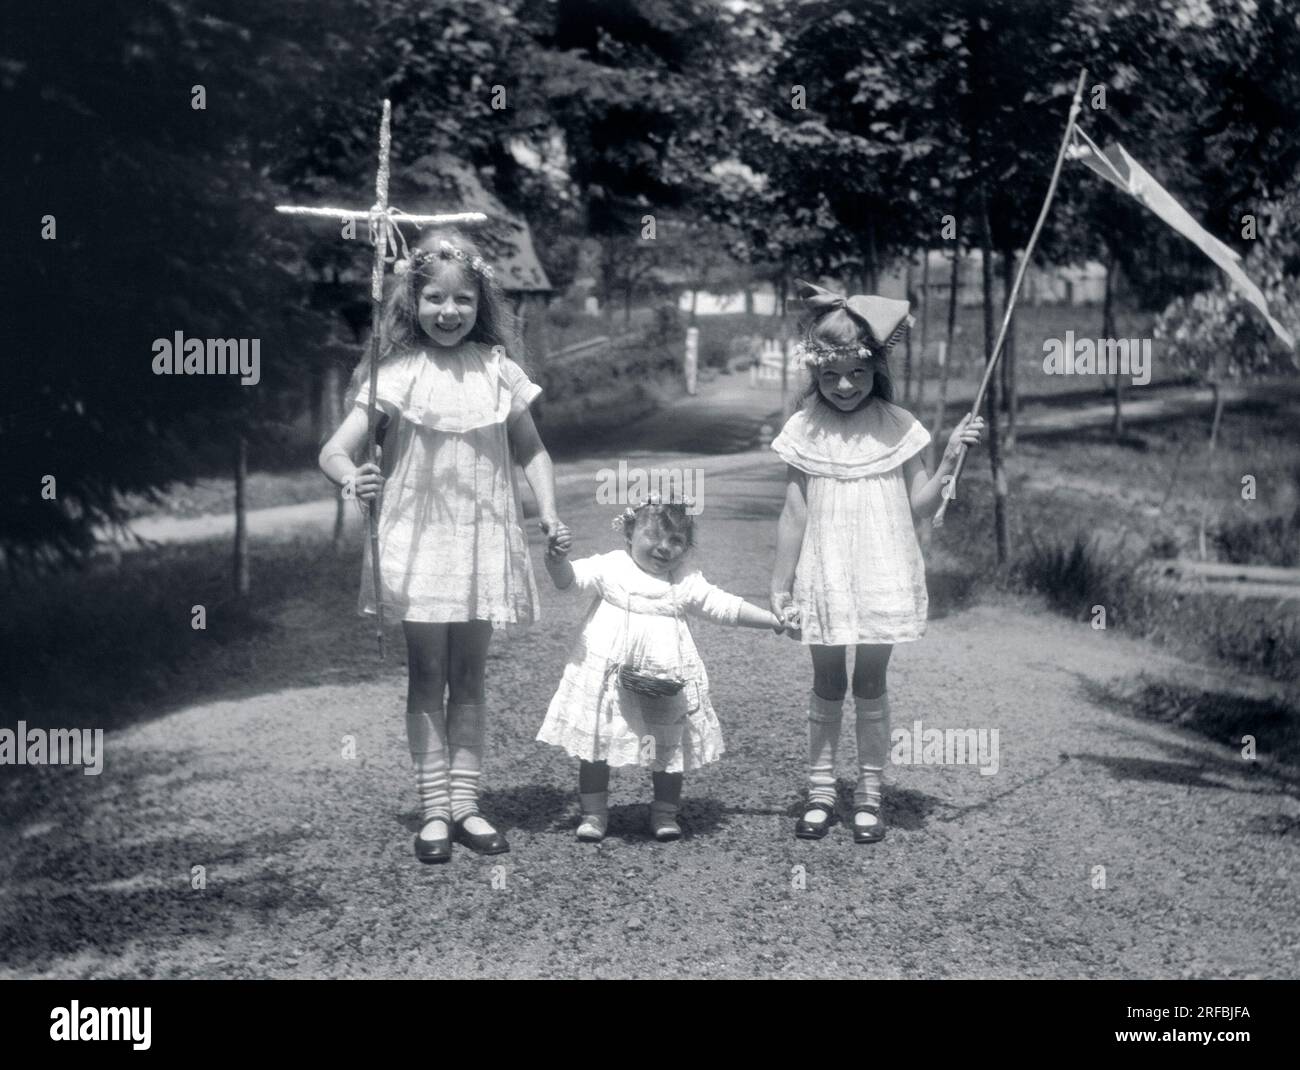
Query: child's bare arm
x=561, y=572
x=336, y=457
x=926, y=492
x=539, y=472
x=557, y=560
x=713, y=603
x=751, y=616
x=789, y=541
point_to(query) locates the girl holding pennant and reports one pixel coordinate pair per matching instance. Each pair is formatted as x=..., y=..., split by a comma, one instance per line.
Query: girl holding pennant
x=454, y=561
x=848, y=571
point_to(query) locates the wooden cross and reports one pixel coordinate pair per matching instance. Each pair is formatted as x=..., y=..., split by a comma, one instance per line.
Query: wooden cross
x=381, y=219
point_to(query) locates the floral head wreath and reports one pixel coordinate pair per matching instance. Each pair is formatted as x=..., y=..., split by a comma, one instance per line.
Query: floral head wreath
x=884, y=320
x=655, y=503
x=417, y=258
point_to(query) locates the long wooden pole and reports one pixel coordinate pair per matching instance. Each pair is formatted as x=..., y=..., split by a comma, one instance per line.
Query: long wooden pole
x=951, y=489
x=376, y=319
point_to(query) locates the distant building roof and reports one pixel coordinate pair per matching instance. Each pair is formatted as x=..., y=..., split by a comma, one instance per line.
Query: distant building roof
x=442, y=183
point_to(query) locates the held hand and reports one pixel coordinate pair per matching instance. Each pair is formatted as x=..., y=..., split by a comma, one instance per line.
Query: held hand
x=365, y=483
x=559, y=538
x=784, y=609
x=966, y=433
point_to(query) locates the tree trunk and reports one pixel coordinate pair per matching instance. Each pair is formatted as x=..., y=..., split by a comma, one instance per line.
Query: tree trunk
x=1107, y=333
x=319, y=414
x=946, y=358
x=607, y=279
x=872, y=279
x=1218, y=414
x=695, y=300
x=333, y=401
x=925, y=316
x=907, y=350
x=1000, y=527
x=1002, y=367
x=1210, y=447
x=1011, y=398
x=242, y=585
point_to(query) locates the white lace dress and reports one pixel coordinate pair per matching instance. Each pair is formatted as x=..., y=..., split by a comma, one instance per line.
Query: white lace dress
x=639, y=618
x=450, y=543
x=860, y=577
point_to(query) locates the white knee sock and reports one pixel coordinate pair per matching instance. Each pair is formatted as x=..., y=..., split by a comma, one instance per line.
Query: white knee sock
x=594, y=804
x=595, y=815
x=873, y=747
x=465, y=726
x=824, y=716
x=426, y=735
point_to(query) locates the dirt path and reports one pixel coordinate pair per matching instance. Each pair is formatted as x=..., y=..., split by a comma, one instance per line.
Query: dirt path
x=309, y=871
x=727, y=417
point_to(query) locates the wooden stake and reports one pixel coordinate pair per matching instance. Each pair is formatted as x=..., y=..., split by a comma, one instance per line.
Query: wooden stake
x=992, y=362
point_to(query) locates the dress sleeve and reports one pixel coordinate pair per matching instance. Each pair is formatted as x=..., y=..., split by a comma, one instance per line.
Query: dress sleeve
x=523, y=391
x=589, y=575
x=394, y=381
x=703, y=599
x=788, y=444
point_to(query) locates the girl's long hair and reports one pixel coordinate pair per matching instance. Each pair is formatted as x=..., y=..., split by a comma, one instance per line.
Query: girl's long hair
x=494, y=325
x=838, y=327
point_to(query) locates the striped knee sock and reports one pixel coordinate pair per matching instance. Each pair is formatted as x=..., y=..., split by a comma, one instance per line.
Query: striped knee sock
x=824, y=716
x=873, y=748
x=426, y=733
x=465, y=729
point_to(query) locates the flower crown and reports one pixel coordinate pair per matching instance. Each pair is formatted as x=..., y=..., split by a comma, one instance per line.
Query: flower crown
x=655, y=503
x=417, y=258
x=815, y=352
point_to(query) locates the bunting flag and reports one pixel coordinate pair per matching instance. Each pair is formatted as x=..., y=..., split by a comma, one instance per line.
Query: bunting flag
x=1122, y=171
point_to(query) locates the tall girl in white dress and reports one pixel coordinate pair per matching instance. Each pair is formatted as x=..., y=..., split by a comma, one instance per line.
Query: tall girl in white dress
x=640, y=599
x=848, y=569
x=454, y=561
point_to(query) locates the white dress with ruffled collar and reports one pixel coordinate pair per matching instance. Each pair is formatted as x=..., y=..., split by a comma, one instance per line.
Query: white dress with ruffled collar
x=450, y=543
x=640, y=619
x=860, y=577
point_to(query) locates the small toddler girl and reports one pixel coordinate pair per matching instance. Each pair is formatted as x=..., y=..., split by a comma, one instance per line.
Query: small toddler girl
x=642, y=595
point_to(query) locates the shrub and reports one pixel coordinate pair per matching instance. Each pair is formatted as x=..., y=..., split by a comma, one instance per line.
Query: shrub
x=1164, y=547
x=1274, y=540
x=1077, y=575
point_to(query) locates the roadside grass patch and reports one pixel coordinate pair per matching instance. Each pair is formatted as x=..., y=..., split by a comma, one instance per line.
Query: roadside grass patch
x=1221, y=716
x=103, y=644
x=1273, y=540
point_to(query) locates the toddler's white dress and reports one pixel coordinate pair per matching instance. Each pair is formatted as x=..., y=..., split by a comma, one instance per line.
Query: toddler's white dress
x=450, y=543
x=640, y=618
x=860, y=577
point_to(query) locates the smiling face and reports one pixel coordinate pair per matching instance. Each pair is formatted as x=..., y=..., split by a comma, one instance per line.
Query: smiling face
x=655, y=547
x=448, y=304
x=846, y=383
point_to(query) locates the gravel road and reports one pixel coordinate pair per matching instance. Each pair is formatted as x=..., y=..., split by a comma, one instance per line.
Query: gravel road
x=308, y=870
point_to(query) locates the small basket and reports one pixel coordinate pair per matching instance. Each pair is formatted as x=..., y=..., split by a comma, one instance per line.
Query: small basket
x=656, y=699
x=631, y=678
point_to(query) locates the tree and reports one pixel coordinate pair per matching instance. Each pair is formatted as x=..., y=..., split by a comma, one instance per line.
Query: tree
x=143, y=137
